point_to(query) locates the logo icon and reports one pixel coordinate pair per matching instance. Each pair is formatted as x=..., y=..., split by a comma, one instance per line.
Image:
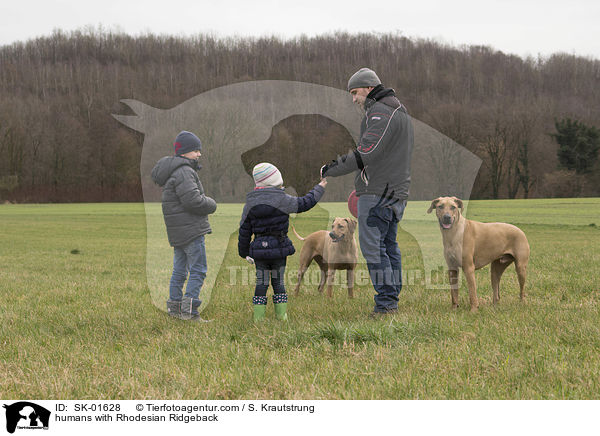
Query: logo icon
x=26, y=415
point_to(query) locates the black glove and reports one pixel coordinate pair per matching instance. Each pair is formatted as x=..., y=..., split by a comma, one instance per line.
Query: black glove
x=327, y=167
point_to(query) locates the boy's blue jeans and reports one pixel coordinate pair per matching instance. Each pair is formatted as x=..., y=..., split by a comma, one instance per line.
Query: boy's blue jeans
x=190, y=258
x=378, y=229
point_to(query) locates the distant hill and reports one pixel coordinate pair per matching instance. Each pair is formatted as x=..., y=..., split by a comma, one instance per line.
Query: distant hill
x=59, y=143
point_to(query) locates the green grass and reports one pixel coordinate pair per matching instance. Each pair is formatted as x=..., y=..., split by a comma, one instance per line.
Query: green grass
x=77, y=319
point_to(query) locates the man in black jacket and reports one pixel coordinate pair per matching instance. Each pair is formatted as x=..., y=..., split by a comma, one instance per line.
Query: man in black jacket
x=382, y=163
x=185, y=210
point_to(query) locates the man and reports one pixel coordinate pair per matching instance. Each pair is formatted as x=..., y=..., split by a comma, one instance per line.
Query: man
x=382, y=161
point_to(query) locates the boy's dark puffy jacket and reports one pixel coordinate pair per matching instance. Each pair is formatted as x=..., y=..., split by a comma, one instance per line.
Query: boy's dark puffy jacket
x=266, y=215
x=184, y=205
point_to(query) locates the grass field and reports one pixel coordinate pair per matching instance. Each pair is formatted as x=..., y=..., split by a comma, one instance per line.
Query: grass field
x=77, y=320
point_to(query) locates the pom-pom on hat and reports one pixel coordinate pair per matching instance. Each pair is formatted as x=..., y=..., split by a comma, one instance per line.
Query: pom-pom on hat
x=186, y=142
x=266, y=175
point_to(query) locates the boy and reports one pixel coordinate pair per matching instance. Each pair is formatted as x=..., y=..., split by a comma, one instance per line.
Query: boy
x=266, y=215
x=185, y=211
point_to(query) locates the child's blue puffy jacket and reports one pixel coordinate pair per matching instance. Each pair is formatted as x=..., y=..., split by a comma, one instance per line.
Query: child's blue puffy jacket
x=266, y=215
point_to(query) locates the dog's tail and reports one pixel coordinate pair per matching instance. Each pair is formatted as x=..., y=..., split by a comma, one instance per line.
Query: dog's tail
x=296, y=233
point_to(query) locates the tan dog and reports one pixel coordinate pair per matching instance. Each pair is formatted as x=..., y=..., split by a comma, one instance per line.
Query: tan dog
x=471, y=245
x=332, y=251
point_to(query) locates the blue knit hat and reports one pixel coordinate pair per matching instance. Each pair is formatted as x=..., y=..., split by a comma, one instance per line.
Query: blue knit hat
x=186, y=142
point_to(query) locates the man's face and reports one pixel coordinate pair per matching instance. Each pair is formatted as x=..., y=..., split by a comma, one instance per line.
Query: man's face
x=194, y=155
x=359, y=95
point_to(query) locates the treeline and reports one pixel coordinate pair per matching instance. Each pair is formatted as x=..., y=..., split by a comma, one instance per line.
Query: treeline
x=59, y=142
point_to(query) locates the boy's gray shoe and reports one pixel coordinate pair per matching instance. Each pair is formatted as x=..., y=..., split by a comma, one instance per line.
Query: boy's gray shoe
x=189, y=308
x=174, y=308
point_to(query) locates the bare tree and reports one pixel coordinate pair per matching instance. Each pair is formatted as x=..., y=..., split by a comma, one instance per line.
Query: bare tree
x=57, y=94
x=495, y=150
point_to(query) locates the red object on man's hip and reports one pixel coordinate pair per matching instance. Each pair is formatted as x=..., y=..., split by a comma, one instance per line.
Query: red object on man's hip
x=353, y=204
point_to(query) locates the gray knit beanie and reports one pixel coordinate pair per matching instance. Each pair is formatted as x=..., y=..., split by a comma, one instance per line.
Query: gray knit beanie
x=186, y=142
x=363, y=78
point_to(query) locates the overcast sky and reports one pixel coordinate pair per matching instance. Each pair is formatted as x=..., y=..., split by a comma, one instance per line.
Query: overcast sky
x=523, y=27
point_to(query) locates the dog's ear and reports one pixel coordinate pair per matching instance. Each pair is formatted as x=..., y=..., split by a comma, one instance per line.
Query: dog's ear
x=433, y=204
x=351, y=224
x=459, y=203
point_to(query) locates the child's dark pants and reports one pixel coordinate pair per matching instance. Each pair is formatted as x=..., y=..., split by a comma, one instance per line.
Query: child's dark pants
x=272, y=271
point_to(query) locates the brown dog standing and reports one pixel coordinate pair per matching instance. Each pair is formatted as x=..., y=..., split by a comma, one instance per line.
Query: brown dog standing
x=332, y=251
x=471, y=245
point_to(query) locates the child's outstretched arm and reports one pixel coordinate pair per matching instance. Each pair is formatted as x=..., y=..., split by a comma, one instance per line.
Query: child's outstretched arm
x=312, y=198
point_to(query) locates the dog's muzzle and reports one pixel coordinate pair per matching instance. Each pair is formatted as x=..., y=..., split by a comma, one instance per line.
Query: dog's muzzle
x=335, y=238
x=446, y=221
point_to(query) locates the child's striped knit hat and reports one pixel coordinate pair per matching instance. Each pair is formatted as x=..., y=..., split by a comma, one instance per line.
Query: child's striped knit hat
x=267, y=175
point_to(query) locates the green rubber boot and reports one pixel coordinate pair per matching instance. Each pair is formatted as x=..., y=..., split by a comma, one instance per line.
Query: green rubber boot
x=259, y=312
x=281, y=311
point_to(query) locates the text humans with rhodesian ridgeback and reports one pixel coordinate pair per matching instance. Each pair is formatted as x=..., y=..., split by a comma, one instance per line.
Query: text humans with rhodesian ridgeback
x=382, y=165
x=471, y=245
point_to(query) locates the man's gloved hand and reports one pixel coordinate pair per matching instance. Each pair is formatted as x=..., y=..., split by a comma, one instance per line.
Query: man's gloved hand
x=250, y=260
x=324, y=169
x=328, y=166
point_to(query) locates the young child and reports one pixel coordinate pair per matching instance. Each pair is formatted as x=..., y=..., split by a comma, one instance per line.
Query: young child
x=185, y=211
x=266, y=215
